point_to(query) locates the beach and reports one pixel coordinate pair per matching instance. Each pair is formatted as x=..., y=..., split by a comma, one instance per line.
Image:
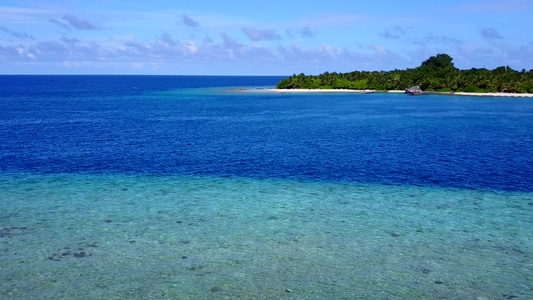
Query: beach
x=515, y=95
x=520, y=95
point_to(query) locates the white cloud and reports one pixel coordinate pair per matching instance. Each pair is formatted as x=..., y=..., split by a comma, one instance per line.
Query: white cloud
x=490, y=33
x=261, y=34
x=379, y=49
x=327, y=51
x=167, y=38
x=59, y=24
x=188, y=21
x=191, y=47
x=393, y=33
x=78, y=23
x=431, y=39
x=306, y=32
x=137, y=65
x=163, y=51
x=229, y=42
x=18, y=35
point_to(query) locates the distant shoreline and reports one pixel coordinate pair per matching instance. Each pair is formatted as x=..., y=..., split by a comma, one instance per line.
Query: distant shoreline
x=341, y=91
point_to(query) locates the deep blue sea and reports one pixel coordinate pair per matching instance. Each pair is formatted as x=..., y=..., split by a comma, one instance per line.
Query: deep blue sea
x=210, y=187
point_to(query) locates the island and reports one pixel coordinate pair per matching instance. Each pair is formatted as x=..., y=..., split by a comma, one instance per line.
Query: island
x=435, y=75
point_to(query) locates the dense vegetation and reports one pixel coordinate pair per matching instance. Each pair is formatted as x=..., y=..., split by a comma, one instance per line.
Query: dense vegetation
x=435, y=74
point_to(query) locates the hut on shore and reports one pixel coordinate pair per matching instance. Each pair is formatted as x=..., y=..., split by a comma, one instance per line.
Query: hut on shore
x=415, y=90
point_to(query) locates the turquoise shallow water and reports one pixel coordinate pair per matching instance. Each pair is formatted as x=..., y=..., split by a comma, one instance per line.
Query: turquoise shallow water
x=175, y=237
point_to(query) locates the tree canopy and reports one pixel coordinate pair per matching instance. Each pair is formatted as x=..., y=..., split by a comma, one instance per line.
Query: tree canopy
x=437, y=73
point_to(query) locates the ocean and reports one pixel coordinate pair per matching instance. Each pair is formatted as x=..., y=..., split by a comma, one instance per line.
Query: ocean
x=188, y=187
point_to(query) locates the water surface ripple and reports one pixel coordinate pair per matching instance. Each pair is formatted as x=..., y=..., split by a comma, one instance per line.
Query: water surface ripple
x=151, y=125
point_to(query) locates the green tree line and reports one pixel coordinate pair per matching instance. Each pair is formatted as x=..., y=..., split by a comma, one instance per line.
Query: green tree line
x=438, y=73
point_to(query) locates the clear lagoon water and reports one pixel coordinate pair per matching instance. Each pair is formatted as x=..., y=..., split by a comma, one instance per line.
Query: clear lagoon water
x=178, y=187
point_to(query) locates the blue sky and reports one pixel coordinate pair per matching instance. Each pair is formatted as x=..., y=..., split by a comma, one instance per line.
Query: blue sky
x=235, y=37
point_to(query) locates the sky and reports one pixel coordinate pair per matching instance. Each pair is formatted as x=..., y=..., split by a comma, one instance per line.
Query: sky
x=243, y=37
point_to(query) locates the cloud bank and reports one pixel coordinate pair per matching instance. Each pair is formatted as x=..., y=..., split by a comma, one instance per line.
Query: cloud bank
x=246, y=41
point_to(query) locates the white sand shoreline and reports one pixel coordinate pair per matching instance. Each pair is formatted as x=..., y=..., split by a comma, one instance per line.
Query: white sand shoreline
x=518, y=95
x=323, y=91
